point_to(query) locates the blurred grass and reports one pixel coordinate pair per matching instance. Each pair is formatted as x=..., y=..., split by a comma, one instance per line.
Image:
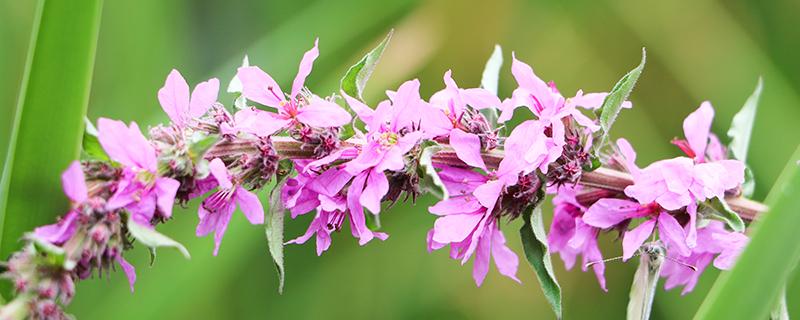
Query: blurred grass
x=711, y=49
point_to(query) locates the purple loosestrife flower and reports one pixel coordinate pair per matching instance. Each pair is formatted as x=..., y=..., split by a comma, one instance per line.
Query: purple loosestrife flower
x=714, y=243
x=216, y=210
x=453, y=102
x=469, y=227
x=570, y=236
x=310, y=110
x=324, y=192
x=141, y=190
x=74, y=184
x=181, y=107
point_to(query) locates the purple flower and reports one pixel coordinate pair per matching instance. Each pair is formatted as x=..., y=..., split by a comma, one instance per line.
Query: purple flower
x=311, y=110
x=181, y=107
x=469, y=228
x=570, y=236
x=140, y=190
x=216, y=211
x=714, y=244
x=74, y=184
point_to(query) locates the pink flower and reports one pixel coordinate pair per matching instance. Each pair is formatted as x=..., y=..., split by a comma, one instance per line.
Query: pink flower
x=570, y=236
x=714, y=243
x=324, y=193
x=469, y=228
x=140, y=190
x=216, y=211
x=181, y=107
x=310, y=110
x=453, y=102
x=607, y=213
x=74, y=184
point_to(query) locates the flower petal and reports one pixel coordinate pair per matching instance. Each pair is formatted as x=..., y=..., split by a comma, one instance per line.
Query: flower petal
x=250, y=206
x=482, y=255
x=126, y=145
x=321, y=113
x=506, y=260
x=363, y=111
x=467, y=147
x=696, y=127
x=455, y=227
x=165, y=190
x=222, y=225
x=376, y=187
x=220, y=172
x=671, y=232
x=174, y=98
x=130, y=271
x=74, y=183
x=258, y=122
x=455, y=205
x=203, y=97
x=258, y=86
x=608, y=212
x=634, y=239
x=305, y=68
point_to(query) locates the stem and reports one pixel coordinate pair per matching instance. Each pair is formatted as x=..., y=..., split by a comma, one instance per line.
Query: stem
x=604, y=182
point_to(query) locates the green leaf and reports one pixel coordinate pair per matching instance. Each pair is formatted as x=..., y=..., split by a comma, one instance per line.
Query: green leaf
x=780, y=311
x=91, y=148
x=740, y=132
x=718, y=209
x=534, y=242
x=47, y=129
x=490, y=80
x=200, y=143
x=429, y=180
x=356, y=78
x=274, y=231
x=750, y=289
x=618, y=94
x=153, y=239
x=645, y=281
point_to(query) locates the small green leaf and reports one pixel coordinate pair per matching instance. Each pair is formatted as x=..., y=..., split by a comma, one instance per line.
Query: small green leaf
x=490, y=80
x=274, y=230
x=356, y=78
x=200, y=143
x=373, y=221
x=53, y=255
x=613, y=102
x=645, y=281
x=718, y=209
x=429, y=179
x=742, y=125
x=91, y=149
x=534, y=243
x=153, y=239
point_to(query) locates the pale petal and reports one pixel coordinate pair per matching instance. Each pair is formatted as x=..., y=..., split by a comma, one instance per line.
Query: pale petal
x=258, y=122
x=467, y=147
x=455, y=227
x=696, y=127
x=455, y=205
x=480, y=98
x=203, y=97
x=222, y=225
x=258, y=86
x=506, y=260
x=174, y=98
x=74, y=183
x=165, y=190
x=305, y=69
x=363, y=111
x=376, y=187
x=250, y=206
x=126, y=145
x=488, y=193
x=220, y=172
x=128, y=269
x=671, y=232
x=634, y=239
x=482, y=255
x=322, y=113
x=608, y=212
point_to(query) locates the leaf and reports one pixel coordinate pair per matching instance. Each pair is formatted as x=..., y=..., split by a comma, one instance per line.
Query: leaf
x=717, y=208
x=619, y=93
x=47, y=136
x=740, y=132
x=356, y=78
x=153, y=239
x=274, y=231
x=780, y=311
x=750, y=289
x=200, y=143
x=490, y=80
x=645, y=281
x=534, y=242
x=429, y=179
x=91, y=148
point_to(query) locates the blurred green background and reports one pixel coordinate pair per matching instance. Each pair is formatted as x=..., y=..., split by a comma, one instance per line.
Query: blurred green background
x=700, y=50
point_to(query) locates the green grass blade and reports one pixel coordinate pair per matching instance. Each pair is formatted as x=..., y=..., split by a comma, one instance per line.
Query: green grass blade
x=751, y=288
x=48, y=124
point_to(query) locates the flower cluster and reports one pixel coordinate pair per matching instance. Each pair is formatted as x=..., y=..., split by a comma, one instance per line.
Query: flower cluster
x=347, y=163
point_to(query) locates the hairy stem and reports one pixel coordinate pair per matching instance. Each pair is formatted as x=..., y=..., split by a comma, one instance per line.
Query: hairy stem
x=604, y=182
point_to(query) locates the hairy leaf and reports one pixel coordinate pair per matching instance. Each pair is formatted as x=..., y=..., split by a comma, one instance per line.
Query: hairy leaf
x=534, y=242
x=489, y=81
x=740, y=132
x=275, y=216
x=618, y=94
x=357, y=76
x=153, y=239
x=717, y=208
x=429, y=179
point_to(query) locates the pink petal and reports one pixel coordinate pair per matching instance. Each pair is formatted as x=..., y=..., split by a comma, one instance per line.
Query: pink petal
x=220, y=173
x=358, y=224
x=126, y=145
x=480, y=98
x=363, y=111
x=250, y=206
x=488, y=193
x=455, y=227
x=222, y=225
x=305, y=69
x=506, y=260
x=377, y=186
x=130, y=271
x=608, y=212
x=256, y=85
x=74, y=183
x=671, y=232
x=528, y=80
x=323, y=241
x=691, y=234
x=203, y=97
x=259, y=122
x=455, y=205
x=315, y=226
x=590, y=101
x=467, y=147
x=174, y=98
x=629, y=155
x=482, y=255
x=322, y=113
x=208, y=220
x=165, y=190
x=634, y=239
x=696, y=127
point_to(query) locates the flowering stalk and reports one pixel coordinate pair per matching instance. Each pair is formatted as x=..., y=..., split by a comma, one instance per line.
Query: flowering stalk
x=340, y=166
